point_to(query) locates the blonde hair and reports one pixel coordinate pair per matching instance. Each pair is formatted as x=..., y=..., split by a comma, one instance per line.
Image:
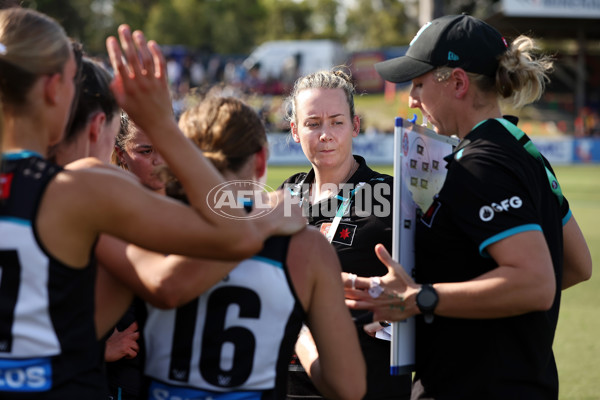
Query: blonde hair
x=336, y=78
x=226, y=129
x=521, y=76
x=33, y=45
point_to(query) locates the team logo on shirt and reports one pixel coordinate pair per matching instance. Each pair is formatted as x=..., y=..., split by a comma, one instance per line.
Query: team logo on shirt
x=343, y=235
x=5, y=181
x=429, y=215
x=487, y=212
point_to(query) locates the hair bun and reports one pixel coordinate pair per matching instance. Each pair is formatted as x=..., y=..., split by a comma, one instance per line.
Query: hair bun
x=338, y=71
x=218, y=158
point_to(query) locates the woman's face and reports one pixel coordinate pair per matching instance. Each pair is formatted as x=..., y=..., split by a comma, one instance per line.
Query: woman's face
x=141, y=158
x=429, y=95
x=323, y=127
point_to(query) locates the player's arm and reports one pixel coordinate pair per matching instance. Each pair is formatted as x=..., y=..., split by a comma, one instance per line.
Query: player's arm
x=337, y=367
x=112, y=298
x=523, y=282
x=165, y=281
x=577, y=260
x=141, y=88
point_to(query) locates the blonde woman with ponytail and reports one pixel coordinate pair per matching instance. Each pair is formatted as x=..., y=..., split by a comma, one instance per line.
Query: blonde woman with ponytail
x=499, y=242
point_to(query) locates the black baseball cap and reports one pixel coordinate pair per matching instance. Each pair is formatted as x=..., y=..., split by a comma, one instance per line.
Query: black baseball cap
x=455, y=41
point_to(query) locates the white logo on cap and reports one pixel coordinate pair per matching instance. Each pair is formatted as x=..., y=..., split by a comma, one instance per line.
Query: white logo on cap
x=427, y=25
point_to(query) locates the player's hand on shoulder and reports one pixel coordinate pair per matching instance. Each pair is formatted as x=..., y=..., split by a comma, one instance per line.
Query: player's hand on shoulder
x=285, y=218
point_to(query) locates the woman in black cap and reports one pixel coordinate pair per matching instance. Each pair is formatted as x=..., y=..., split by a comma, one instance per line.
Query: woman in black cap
x=499, y=242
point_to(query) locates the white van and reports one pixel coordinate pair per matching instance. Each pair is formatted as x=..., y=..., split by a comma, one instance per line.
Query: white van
x=276, y=58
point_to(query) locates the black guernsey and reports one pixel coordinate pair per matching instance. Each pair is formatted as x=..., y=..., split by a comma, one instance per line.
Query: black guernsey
x=48, y=346
x=493, y=189
x=367, y=222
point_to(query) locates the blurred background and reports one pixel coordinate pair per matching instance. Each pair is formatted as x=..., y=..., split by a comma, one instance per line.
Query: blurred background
x=255, y=49
x=218, y=43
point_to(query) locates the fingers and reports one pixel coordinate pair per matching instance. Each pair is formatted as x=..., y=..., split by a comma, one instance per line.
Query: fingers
x=115, y=55
x=160, y=64
x=387, y=311
x=393, y=267
x=143, y=53
x=143, y=59
x=383, y=255
x=132, y=328
x=133, y=350
x=360, y=282
x=129, y=50
x=358, y=304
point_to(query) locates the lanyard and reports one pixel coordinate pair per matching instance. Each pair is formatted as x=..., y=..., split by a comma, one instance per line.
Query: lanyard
x=342, y=209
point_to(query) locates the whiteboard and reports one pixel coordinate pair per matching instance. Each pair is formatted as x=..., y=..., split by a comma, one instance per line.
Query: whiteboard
x=419, y=173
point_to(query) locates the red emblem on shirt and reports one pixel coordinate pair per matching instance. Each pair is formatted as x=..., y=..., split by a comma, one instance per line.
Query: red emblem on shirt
x=5, y=181
x=343, y=235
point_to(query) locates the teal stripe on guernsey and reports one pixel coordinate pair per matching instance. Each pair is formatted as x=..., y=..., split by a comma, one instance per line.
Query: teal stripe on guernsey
x=567, y=218
x=274, y=263
x=505, y=234
x=21, y=154
x=19, y=221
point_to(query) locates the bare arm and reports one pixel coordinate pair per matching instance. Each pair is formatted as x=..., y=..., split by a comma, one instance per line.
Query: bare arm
x=140, y=87
x=523, y=282
x=165, y=281
x=112, y=299
x=338, y=370
x=577, y=264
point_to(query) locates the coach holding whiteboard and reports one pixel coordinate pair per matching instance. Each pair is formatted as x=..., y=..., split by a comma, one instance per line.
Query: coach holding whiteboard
x=499, y=243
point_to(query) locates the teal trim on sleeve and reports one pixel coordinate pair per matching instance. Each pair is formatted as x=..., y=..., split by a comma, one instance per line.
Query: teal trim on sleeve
x=566, y=218
x=18, y=155
x=15, y=220
x=505, y=234
x=274, y=263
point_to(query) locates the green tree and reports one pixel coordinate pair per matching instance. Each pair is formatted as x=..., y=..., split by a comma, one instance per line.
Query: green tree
x=373, y=24
x=131, y=12
x=323, y=18
x=215, y=25
x=284, y=19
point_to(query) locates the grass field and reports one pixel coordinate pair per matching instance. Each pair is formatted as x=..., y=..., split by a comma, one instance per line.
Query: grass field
x=577, y=344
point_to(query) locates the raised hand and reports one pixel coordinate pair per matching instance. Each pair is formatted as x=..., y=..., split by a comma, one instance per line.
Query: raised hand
x=140, y=84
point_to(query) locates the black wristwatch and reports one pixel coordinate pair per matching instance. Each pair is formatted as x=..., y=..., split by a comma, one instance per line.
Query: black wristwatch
x=427, y=300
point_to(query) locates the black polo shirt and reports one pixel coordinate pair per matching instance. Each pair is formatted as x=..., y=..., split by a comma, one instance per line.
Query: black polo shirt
x=493, y=189
x=367, y=221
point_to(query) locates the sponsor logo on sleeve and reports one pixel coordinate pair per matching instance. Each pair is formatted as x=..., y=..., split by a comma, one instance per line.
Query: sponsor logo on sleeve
x=487, y=212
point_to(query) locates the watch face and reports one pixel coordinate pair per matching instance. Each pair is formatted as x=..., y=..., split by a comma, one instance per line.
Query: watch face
x=427, y=298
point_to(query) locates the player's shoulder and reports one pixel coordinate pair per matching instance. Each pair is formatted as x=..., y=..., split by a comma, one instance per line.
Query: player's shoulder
x=308, y=236
x=310, y=243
